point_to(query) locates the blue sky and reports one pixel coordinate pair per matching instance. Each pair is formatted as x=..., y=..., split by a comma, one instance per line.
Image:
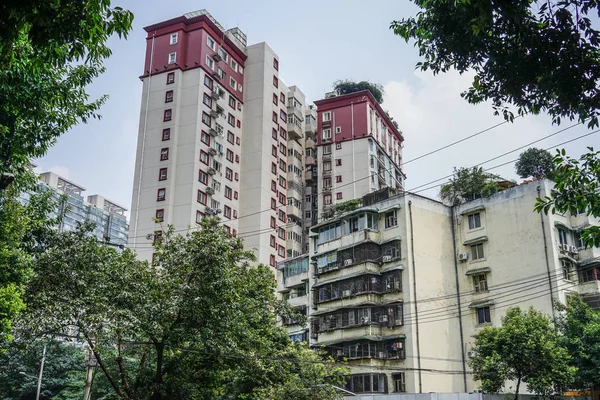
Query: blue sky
x=317, y=42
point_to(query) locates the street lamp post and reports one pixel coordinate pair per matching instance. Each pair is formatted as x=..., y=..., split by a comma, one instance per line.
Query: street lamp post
x=39, y=384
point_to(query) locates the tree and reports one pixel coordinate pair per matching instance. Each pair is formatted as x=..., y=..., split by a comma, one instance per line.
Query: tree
x=23, y=232
x=525, y=349
x=64, y=371
x=469, y=184
x=342, y=87
x=200, y=323
x=576, y=191
x=580, y=329
x=49, y=53
x=535, y=55
x=535, y=162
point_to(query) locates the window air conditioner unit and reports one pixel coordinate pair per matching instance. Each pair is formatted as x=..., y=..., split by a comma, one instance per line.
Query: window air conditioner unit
x=383, y=318
x=347, y=293
x=348, y=262
x=212, y=151
x=471, y=353
x=463, y=256
x=216, y=57
x=574, y=250
x=212, y=171
x=214, y=113
x=387, y=258
x=364, y=320
x=210, y=190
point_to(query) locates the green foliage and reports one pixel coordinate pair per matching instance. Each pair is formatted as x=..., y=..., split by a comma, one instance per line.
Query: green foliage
x=469, y=184
x=347, y=86
x=535, y=162
x=64, y=371
x=580, y=329
x=346, y=206
x=201, y=323
x=577, y=190
x=49, y=53
x=23, y=232
x=525, y=349
x=535, y=55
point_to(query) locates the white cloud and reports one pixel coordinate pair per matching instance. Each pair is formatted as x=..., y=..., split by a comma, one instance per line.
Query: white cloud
x=432, y=114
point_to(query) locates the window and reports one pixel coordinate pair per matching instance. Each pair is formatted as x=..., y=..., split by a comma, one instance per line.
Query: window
x=282, y=149
x=229, y=155
x=162, y=174
x=205, y=138
x=161, y=194
x=207, y=100
x=480, y=283
x=562, y=236
x=283, y=115
x=164, y=154
x=327, y=199
x=578, y=239
x=237, y=141
x=273, y=222
x=217, y=165
x=272, y=241
x=281, y=216
x=282, y=198
x=282, y=133
x=210, y=43
x=167, y=115
x=234, y=65
x=204, y=159
x=272, y=261
x=327, y=166
x=274, y=151
x=326, y=134
x=276, y=64
x=338, y=130
x=273, y=204
x=173, y=38
x=275, y=99
x=327, y=182
x=281, y=251
x=231, y=119
x=172, y=58
x=228, y=174
x=338, y=146
x=166, y=134
x=232, y=83
x=399, y=382
x=237, y=177
x=307, y=214
x=208, y=82
x=160, y=215
x=281, y=233
x=338, y=162
x=567, y=269
x=221, y=74
x=282, y=182
x=477, y=251
x=274, y=168
x=231, y=101
x=338, y=178
x=224, y=55
x=483, y=315
x=275, y=81
x=338, y=196
x=327, y=116
x=199, y=217
x=201, y=198
x=474, y=220
x=235, y=194
x=210, y=63
x=390, y=219
x=274, y=133
x=202, y=177
x=206, y=119
x=274, y=186
x=169, y=96
x=170, y=78
x=327, y=149
x=230, y=137
x=227, y=212
x=228, y=192
x=274, y=117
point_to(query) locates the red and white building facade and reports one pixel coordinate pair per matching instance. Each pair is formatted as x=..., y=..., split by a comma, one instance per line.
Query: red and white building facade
x=359, y=150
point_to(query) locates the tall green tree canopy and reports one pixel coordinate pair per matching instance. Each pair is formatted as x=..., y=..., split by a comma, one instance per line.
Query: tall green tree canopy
x=50, y=51
x=577, y=190
x=535, y=162
x=580, y=329
x=525, y=349
x=346, y=86
x=200, y=323
x=469, y=184
x=535, y=55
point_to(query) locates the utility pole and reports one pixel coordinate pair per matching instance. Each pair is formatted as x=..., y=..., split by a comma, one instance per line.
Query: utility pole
x=91, y=364
x=39, y=385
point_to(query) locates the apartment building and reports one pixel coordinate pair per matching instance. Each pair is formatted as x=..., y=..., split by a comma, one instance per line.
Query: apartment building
x=107, y=216
x=311, y=173
x=359, y=149
x=399, y=286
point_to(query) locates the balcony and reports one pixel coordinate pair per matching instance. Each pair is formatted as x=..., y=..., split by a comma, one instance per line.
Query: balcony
x=310, y=175
x=294, y=131
x=310, y=160
x=294, y=211
x=591, y=287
